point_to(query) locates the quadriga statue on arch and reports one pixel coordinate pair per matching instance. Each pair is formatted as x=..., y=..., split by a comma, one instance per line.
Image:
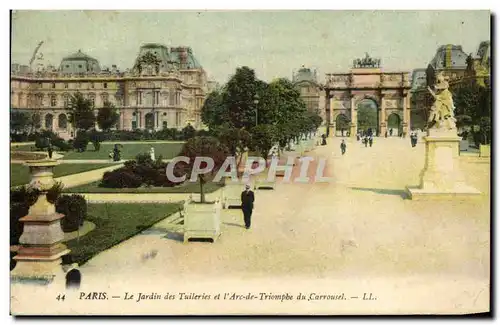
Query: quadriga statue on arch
x=442, y=111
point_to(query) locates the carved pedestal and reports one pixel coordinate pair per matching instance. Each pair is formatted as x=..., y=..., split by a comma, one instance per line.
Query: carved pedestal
x=41, y=241
x=441, y=176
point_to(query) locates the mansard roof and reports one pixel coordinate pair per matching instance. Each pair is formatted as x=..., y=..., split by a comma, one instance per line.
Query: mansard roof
x=449, y=57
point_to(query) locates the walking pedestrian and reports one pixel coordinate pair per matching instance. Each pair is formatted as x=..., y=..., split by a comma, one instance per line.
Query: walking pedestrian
x=365, y=141
x=49, y=149
x=247, y=199
x=370, y=140
x=343, y=147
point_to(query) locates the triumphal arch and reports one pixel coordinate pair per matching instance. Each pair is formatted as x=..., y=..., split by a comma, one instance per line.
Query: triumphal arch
x=386, y=93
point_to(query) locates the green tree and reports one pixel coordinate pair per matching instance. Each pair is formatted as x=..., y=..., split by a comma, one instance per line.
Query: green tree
x=238, y=98
x=19, y=121
x=188, y=132
x=204, y=147
x=213, y=111
x=485, y=129
x=107, y=116
x=35, y=121
x=264, y=137
x=81, y=112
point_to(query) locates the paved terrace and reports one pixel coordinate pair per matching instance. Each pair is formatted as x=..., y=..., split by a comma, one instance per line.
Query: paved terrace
x=355, y=235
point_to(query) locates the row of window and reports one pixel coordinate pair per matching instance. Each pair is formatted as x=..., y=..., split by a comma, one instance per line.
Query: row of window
x=173, y=97
x=77, y=85
x=62, y=121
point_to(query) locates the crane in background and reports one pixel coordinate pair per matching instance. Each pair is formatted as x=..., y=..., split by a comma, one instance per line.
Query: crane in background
x=34, y=53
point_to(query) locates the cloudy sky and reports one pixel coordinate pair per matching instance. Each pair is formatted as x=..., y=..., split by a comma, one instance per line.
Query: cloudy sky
x=274, y=43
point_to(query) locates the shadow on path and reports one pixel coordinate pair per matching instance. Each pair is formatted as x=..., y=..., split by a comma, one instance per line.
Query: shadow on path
x=233, y=224
x=176, y=236
x=384, y=191
x=154, y=231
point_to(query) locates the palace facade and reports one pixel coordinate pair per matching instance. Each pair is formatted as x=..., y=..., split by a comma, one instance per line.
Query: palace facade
x=166, y=87
x=453, y=62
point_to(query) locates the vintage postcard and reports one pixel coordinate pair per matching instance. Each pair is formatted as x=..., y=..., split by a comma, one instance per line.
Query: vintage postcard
x=250, y=162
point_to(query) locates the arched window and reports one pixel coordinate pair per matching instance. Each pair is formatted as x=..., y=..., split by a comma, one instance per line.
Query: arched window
x=92, y=99
x=66, y=100
x=104, y=97
x=49, y=119
x=62, y=121
x=39, y=100
x=53, y=100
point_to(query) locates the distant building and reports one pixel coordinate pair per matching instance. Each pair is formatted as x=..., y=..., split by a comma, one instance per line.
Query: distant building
x=166, y=87
x=454, y=63
x=306, y=81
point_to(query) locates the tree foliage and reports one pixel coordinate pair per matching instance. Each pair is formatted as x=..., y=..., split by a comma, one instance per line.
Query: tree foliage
x=246, y=103
x=265, y=137
x=209, y=147
x=19, y=121
x=107, y=116
x=81, y=112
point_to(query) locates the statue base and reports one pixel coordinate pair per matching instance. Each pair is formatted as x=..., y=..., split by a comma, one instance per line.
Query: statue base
x=441, y=177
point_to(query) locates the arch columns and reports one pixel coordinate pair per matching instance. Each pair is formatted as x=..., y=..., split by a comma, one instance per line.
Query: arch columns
x=406, y=114
x=382, y=117
x=354, y=118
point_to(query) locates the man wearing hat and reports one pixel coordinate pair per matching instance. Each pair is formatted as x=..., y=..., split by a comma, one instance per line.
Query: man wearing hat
x=247, y=199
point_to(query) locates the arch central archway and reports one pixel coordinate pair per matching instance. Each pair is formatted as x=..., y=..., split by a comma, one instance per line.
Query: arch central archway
x=342, y=124
x=368, y=116
x=394, y=124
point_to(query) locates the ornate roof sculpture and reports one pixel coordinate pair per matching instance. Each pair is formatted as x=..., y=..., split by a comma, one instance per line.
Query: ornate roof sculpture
x=366, y=62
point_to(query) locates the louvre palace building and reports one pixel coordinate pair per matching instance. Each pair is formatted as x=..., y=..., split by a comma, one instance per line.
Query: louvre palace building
x=166, y=87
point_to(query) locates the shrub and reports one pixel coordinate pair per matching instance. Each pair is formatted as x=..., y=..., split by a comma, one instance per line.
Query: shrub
x=54, y=192
x=41, y=142
x=144, y=159
x=74, y=208
x=21, y=199
x=96, y=138
x=61, y=144
x=81, y=141
x=120, y=178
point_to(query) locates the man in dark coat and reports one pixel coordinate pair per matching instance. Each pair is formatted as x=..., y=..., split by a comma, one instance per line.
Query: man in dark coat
x=247, y=199
x=343, y=147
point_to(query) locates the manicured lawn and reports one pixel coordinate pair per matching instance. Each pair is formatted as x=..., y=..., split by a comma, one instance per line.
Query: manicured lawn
x=186, y=188
x=24, y=147
x=128, y=150
x=115, y=223
x=20, y=174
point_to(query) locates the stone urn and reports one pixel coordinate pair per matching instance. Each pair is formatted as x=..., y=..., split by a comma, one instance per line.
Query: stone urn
x=202, y=220
x=41, y=246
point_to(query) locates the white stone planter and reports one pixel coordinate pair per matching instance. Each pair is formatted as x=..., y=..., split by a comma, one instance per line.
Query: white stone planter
x=484, y=150
x=231, y=196
x=464, y=145
x=202, y=220
x=261, y=181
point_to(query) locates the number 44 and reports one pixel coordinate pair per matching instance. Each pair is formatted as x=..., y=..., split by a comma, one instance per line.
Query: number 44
x=61, y=297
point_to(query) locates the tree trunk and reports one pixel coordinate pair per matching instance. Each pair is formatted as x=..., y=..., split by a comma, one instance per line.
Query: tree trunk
x=202, y=194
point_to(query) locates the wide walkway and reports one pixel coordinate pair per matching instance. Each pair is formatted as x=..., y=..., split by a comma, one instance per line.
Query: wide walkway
x=355, y=235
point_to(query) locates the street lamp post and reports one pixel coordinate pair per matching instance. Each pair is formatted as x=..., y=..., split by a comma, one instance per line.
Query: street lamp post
x=256, y=102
